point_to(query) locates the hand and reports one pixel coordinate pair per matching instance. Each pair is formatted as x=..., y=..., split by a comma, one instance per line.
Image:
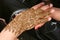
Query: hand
x=6, y=35
x=45, y=8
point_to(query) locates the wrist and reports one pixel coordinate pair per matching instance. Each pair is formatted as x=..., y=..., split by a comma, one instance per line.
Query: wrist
x=7, y=35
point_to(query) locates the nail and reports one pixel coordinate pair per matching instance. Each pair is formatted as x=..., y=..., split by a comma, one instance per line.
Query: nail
x=49, y=18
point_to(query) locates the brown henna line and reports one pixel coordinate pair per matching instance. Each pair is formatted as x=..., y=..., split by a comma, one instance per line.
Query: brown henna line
x=26, y=20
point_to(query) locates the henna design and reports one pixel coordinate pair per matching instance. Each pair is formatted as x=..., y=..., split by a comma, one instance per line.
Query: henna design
x=26, y=20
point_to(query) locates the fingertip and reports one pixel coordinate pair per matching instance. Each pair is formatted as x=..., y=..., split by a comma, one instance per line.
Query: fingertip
x=38, y=26
x=49, y=18
x=51, y=5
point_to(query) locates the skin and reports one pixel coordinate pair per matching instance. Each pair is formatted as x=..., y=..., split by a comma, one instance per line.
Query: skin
x=55, y=14
x=4, y=35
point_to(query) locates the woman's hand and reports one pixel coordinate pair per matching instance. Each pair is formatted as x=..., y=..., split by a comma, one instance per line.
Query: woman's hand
x=45, y=8
x=55, y=14
x=7, y=35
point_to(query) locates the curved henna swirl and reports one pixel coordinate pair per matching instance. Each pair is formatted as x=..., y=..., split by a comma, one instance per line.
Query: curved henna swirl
x=26, y=20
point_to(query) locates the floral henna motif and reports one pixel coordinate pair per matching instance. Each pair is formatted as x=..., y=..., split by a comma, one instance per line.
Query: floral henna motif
x=26, y=20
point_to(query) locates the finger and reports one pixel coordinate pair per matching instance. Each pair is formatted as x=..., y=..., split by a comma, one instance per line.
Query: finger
x=48, y=18
x=38, y=26
x=44, y=8
x=38, y=5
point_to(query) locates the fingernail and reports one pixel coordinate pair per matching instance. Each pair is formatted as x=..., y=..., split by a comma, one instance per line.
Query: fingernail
x=49, y=18
x=51, y=5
